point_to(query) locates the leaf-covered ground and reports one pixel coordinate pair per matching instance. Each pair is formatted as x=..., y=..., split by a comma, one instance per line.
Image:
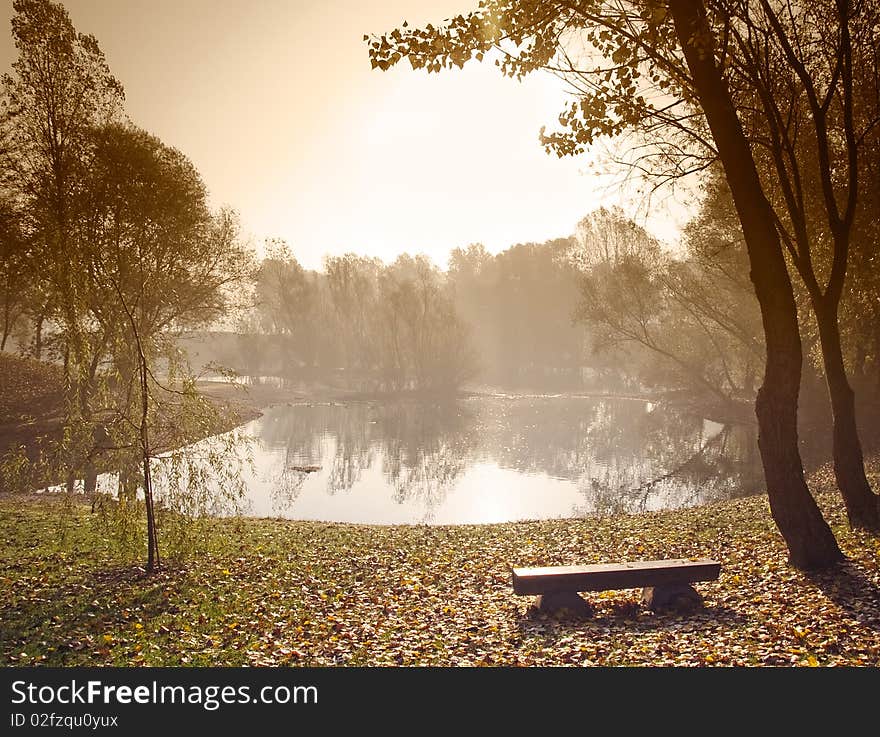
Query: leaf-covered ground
x=274, y=592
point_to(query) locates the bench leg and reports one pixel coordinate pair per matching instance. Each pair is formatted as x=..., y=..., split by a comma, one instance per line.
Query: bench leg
x=564, y=600
x=680, y=596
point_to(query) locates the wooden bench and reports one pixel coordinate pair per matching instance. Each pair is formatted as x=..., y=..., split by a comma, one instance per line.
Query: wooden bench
x=664, y=582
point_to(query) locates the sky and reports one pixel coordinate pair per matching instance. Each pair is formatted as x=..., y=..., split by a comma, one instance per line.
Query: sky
x=277, y=106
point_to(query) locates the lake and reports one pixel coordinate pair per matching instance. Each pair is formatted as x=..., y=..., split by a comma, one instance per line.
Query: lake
x=490, y=459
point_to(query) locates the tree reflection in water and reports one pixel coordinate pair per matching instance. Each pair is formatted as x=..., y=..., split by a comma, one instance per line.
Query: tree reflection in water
x=425, y=448
x=621, y=455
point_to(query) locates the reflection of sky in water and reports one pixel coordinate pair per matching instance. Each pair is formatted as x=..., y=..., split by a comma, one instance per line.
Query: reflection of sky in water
x=491, y=460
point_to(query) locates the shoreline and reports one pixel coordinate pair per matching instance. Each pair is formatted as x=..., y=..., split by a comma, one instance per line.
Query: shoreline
x=259, y=396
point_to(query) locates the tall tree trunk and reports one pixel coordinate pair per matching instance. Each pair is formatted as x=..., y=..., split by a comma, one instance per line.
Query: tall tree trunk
x=849, y=466
x=810, y=541
x=153, y=560
x=152, y=536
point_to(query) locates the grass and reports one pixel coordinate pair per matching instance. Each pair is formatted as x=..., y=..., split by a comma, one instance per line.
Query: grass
x=274, y=592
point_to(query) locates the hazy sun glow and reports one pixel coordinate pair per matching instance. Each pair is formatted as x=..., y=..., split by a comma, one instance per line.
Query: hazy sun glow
x=276, y=104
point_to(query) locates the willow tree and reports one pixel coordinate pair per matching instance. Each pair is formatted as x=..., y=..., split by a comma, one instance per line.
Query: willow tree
x=657, y=68
x=162, y=262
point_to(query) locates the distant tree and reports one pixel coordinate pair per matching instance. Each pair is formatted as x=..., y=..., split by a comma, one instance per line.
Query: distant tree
x=693, y=314
x=608, y=236
x=425, y=345
x=285, y=297
x=536, y=290
x=351, y=283
x=711, y=284
x=518, y=305
x=122, y=253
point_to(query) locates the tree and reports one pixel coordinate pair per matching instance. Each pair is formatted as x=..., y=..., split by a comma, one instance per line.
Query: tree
x=351, y=282
x=518, y=305
x=692, y=314
x=674, y=48
x=160, y=263
x=425, y=345
x=285, y=296
x=809, y=95
x=60, y=90
x=809, y=539
x=608, y=236
x=712, y=284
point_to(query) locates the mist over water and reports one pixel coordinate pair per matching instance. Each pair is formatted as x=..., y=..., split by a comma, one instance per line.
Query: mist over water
x=491, y=459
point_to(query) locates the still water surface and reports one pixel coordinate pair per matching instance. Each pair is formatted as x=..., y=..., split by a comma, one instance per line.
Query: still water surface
x=491, y=459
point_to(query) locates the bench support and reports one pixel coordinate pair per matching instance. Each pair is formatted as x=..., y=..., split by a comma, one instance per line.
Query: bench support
x=680, y=596
x=564, y=600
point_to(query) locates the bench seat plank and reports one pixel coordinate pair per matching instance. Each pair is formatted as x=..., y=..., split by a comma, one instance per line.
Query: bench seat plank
x=607, y=576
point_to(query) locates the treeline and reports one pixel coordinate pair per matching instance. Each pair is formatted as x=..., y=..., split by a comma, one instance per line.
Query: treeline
x=408, y=325
x=608, y=309
x=387, y=327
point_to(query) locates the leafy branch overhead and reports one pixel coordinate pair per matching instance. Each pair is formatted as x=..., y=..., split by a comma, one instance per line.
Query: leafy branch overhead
x=621, y=60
